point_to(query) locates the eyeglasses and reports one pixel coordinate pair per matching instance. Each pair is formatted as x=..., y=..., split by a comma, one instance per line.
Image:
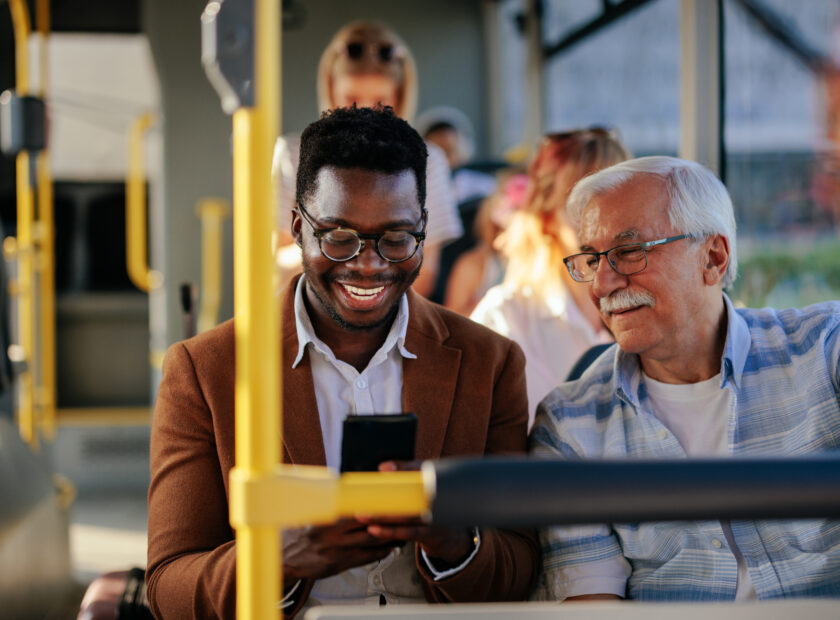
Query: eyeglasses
x=385, y=52
x=342, y=244
x=625, y=259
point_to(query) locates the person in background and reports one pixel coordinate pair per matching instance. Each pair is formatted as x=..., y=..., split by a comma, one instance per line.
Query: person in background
x=479, y=269
x=367, y=64
x=690, y=375
x=535, y=305
x=452, y=131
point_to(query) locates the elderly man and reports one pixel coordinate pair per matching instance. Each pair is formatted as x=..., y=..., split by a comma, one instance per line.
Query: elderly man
x=356, y=339
x=691, y=375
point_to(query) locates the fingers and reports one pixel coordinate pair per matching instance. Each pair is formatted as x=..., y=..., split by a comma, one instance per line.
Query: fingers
x=400, y=465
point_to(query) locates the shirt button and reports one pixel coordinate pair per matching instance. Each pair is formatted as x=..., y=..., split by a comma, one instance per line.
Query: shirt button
x=663, y=434
x=361, y=383
x=716, y=543
x=377, y=581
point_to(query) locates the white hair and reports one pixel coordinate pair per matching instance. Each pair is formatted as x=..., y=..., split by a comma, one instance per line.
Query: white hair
x=698, y=202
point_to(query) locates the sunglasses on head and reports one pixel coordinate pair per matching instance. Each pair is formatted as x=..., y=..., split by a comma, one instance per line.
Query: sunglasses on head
x=385, y=52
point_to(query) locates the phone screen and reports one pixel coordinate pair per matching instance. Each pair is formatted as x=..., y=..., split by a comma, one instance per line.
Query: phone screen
x=368, y=440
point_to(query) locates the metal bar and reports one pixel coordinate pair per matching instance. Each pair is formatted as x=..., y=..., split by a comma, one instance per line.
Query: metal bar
x=46, y=390
x=523, y=492
x=779, y=31
x=258, y=373
x=25, y=246
x=211, y=212
x=699, y=82
x=104, y=416
x=135, y=209
x=611, y=13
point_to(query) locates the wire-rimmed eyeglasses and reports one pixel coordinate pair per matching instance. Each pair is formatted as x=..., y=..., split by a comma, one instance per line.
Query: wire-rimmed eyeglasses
x=343, y=244
x=625, y=259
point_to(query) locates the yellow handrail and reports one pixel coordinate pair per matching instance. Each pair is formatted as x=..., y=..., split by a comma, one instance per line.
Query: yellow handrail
x=25, y=247
x=46, y=391
x=258, y=374
x=211, y=212
x=135, y=209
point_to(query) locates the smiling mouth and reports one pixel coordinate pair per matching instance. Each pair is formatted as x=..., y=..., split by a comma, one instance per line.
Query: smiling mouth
x=363, y=299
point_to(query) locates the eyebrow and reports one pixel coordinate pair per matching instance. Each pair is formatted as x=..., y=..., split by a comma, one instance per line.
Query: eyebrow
x=341, y=223
x=625, y=235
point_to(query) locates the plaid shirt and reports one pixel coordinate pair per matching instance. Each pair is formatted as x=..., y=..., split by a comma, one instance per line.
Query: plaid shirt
x=783, y=370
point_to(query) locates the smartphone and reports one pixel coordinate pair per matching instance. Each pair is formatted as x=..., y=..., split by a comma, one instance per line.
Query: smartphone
x=368, y=440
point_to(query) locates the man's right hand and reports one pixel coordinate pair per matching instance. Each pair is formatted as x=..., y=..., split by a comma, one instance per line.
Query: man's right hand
x=322, y=551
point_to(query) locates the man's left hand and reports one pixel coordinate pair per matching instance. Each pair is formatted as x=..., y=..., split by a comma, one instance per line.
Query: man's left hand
x=447, y=545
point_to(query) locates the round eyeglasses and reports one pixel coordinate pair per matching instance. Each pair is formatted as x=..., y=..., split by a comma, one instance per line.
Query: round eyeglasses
x=384, y=52
x=625, y=259
x=343, y=244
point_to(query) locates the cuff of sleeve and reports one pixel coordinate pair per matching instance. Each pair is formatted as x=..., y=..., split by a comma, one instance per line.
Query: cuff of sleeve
x=289, y=597
x=440, y=575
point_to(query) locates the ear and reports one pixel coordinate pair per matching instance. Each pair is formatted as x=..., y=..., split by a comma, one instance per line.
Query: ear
x=296, y=228
x=717, y=259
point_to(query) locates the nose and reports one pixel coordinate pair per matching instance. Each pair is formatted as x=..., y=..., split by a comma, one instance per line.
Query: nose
x=606, y=280
x=368, y=260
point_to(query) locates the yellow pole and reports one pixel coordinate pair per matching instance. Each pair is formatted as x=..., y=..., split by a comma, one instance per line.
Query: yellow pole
x=258, y=379
x=135, y=208
x=25, y=218
x=211, y=212
x=46, y=391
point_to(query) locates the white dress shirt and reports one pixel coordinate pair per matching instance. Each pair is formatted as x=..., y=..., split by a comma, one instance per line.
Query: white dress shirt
x=341, y=390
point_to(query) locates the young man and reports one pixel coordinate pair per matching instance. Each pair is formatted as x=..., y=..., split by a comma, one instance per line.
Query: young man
x=691, y=376
x=356, y=339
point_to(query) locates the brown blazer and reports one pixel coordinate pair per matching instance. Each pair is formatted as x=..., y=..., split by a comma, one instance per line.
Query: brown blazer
x=467, y=387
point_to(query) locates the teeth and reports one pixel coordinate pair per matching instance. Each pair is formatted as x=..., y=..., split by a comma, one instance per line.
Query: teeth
x=364, y=293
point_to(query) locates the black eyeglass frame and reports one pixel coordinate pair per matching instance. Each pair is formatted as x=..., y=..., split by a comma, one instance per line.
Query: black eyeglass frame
x=643, y=246
x=319, y=233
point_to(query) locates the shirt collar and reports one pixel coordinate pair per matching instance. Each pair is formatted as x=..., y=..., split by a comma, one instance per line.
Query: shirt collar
x=737, y=346
x=306, y=333
x=628, y=372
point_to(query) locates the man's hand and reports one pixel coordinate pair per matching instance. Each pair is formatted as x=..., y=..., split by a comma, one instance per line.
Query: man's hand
x=448, y=546
x=322, y=551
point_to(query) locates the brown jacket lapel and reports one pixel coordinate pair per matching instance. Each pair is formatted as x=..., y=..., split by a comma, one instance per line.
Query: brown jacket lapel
x=429, y=381
x=302, y=439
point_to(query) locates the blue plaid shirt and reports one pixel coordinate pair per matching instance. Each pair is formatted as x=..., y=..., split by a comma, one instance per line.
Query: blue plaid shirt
x=783, y=370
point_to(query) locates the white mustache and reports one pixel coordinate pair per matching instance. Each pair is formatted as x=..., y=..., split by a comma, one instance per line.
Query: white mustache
x=624, y=299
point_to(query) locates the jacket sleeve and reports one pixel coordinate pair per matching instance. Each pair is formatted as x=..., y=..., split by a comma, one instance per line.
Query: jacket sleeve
x=191, y=554
x=507, y=563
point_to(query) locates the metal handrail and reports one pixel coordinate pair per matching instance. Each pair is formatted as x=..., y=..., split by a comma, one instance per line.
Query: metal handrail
x=136, y=235
x=212, y=212
x=25, y=243
x=46, y=390
x=257, y=331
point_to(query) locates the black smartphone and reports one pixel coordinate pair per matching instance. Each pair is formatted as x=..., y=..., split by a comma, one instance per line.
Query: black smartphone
x=368, y=440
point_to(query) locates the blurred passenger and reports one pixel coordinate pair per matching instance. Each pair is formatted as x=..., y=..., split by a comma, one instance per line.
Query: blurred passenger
x=691, y=375
x=535, y=305
x=452, y=131
x=481, y=268
x=366, y=64
x=356, y=339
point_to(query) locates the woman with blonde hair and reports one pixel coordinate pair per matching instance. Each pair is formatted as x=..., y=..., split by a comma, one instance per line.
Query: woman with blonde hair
x=537, y=304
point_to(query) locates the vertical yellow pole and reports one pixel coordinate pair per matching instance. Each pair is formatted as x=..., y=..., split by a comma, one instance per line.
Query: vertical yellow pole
x=46, y=225
x=25, y=218
x=258, y=416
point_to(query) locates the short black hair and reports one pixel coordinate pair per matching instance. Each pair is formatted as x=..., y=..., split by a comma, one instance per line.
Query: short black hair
x=368, y=138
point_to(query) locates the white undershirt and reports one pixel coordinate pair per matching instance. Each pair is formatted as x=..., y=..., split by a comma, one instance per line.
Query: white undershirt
x=698, y=414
